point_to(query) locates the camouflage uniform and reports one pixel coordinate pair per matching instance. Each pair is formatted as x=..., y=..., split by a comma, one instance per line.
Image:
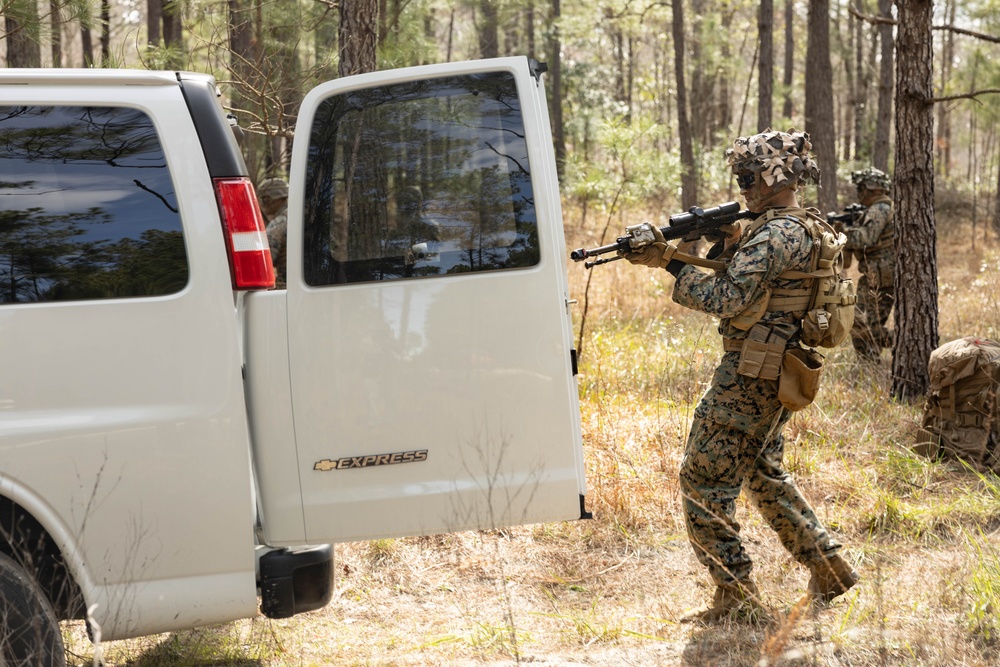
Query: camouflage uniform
x=736, y=435
x=277, y=230
x=270, y=191
x=871, y=241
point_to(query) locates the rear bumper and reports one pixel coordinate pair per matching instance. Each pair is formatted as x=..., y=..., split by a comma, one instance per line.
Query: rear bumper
x=293, y=581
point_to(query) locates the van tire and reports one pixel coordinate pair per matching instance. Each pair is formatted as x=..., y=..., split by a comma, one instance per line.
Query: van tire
x=29, y=632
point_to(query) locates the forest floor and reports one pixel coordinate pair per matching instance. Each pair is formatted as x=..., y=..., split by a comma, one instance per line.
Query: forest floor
x=609, y=592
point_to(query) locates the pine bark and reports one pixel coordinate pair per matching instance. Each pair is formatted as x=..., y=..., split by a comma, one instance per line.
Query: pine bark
x=883, y=124
x=765, y=64
x=489, y=46
x=55, y=24
x=819, y=102
x=916, y=310
x=689, y=177
x=786, y=110
x=22, y=30
x=357, y=36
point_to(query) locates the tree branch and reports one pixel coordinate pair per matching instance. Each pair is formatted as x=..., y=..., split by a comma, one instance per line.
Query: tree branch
x=971, y=33
x=871, y=18
x=965, y=96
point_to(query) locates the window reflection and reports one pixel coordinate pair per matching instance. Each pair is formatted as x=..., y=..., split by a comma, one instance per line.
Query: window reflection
x=87, y=206
x=419, y=179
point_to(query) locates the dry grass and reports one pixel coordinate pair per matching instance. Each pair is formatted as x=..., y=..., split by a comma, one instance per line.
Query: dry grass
x=609, y=591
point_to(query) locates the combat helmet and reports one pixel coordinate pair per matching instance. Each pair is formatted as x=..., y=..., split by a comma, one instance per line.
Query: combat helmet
x=273, y=188
x=780, y=158
x=871, y=178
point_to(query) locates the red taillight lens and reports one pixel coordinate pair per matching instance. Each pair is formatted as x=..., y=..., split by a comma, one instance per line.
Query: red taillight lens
x=246, y=239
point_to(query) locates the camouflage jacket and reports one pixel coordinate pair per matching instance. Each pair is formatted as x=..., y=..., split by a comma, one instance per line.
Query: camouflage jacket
x=277, y=230
x=872, y=238
x=764, y=252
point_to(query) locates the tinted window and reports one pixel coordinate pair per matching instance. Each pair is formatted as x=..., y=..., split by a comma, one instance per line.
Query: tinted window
x=87, y=207
x=419, y=179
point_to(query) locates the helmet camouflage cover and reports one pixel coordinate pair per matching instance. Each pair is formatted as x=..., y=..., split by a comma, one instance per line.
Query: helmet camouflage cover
x=781, y=158
x=871, y=178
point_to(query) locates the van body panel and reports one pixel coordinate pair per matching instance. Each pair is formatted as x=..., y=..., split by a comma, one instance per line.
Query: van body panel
x=127, y=415
x=445, y=402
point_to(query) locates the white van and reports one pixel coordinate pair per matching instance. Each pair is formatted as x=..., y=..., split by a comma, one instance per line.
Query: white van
x=179, y=441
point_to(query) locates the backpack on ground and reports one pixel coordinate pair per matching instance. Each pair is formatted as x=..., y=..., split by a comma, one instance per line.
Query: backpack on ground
x=960, y=411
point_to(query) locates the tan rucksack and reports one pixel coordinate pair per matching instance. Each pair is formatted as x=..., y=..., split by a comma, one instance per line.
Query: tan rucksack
x=828, y=301
x=960, y=412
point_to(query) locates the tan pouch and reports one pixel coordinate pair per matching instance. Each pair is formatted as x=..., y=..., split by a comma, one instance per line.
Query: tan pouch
x=801, y=370
x=761, y=354
x=753, y=312
x=928, y=443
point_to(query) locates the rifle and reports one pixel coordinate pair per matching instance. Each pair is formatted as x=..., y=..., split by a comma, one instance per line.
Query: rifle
x=849, y=217
x=696, y=223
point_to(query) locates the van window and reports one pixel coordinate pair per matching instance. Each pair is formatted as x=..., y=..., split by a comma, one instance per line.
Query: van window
x=87, y=206
x=419, y=179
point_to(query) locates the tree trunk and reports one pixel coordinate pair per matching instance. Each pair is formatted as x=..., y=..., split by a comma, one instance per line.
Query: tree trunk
x=488, y=44
x=944, y=118
x=154, y=20
x=55, y=23
x=819, y=102
x=698, y=92
x=883, y=125
x=23, y=34
x=105, y=33
x=242, y=59
x=173, y=32
x=786, y=110
x=529, y=27
x=383, y=27
x=861, y=82
x=724, y=111
x=916, y=310
x=357, y=36
x=87, y=46
x=689, y=177
x=765, y=64
x=556, y=92
x=847, y=110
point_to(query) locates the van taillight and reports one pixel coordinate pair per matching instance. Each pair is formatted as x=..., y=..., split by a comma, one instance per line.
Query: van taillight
x=246, y=239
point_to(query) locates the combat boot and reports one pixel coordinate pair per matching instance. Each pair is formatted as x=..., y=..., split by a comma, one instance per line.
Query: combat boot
x=831, y=577
x=739, y=599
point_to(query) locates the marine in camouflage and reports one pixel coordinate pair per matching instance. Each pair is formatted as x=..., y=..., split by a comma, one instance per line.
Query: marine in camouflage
x=871, y=241
x=736, y=438
x=872, y=178
x=273, y=194
x=277, y=233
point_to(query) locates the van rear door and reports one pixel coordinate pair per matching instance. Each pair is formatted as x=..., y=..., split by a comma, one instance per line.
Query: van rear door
x=429, y=336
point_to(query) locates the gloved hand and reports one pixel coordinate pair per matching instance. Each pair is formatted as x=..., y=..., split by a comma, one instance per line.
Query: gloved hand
x=733, y=231
x=656, y=255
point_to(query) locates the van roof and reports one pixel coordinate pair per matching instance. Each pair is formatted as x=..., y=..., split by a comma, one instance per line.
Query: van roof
x=94, y=76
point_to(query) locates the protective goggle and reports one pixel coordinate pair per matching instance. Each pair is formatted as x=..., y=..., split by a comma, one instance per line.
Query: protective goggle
x=746, y=180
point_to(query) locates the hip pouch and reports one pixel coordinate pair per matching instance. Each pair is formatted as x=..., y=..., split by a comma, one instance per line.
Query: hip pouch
x=801, y=370
x=762, y=352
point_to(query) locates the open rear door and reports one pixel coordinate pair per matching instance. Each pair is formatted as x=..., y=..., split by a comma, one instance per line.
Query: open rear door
x=428, y=326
